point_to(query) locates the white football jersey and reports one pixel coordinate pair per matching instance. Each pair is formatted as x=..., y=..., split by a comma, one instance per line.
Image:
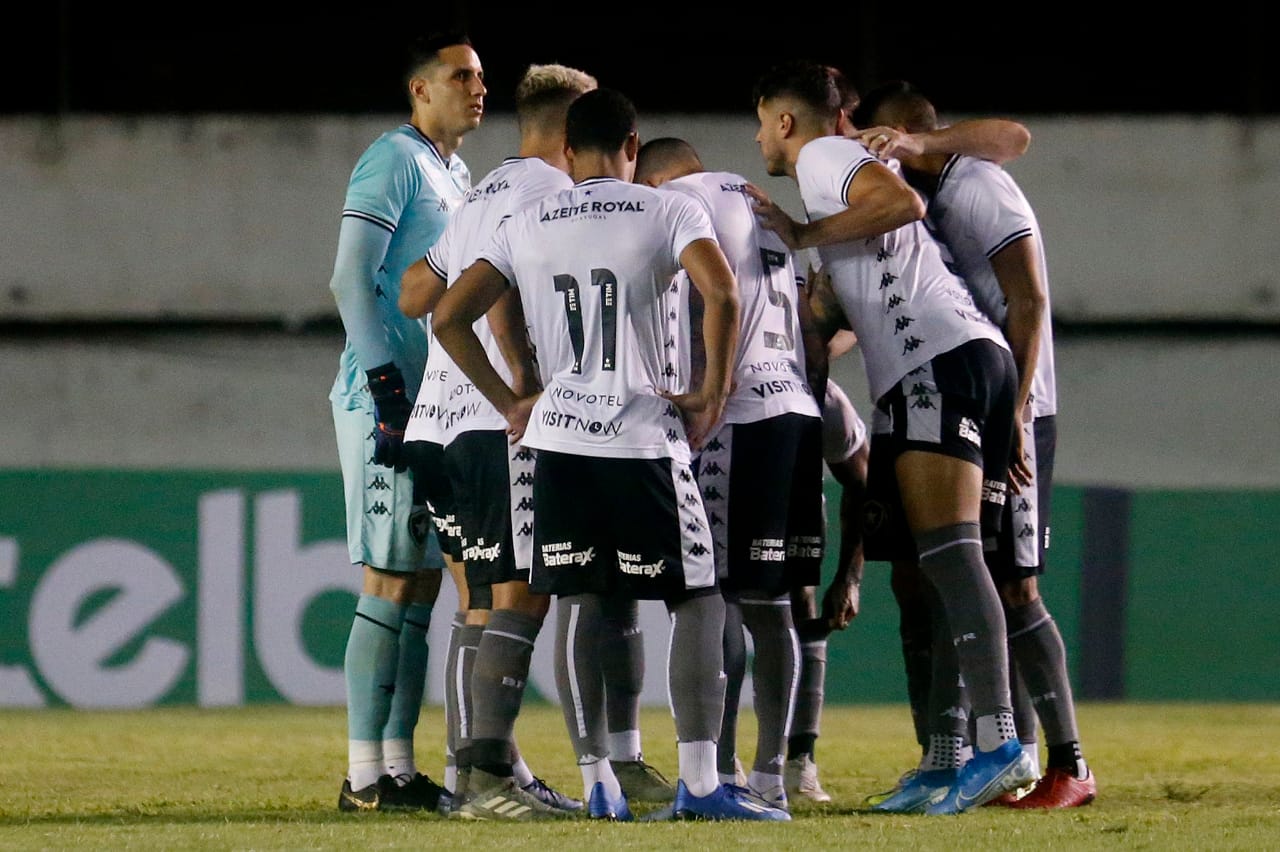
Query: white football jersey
x=977, y=210
x=902, y=301
x=448, y=403
x=769, y=369
x=594, y=266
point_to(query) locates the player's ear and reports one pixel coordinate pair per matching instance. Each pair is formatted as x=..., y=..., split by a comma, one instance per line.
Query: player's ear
x=631, y=146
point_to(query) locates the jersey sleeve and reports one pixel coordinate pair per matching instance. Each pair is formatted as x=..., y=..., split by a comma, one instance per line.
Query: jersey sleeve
x=437, y=256
x=383, y=183
x=362, y=245
x=826, y=167
x=498, y=253
x=994, y=211
x=691, y=222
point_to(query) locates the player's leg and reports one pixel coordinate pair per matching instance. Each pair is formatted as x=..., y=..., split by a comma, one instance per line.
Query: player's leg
x=1037, y=644
x=622, y=646
x=379, y=503
x=953, y=423
x=493, y=482
x=573, y=554
x=433, y=488
x=801, y=770
x=728, y=765
x=664, y=550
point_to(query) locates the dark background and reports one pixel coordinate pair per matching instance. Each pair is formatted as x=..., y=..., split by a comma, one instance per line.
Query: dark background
x=69, y=58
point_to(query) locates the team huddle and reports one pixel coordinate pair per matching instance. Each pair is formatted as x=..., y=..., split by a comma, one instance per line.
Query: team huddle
x=599, y=375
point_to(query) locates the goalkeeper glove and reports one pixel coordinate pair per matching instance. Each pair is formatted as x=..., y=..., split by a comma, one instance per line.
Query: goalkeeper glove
x=391, y=408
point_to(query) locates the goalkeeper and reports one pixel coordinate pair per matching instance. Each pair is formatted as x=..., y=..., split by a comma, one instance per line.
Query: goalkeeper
x=397, y=203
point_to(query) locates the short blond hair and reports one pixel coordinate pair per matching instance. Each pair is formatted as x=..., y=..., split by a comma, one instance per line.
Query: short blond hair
x=545, y=92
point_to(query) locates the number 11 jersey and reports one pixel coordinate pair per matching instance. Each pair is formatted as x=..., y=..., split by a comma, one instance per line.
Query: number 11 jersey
x=594, y=265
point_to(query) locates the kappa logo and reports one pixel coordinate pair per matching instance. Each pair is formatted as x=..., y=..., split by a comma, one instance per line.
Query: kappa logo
x=887, y=279
x=883, y=254
x=524, y=454
x=1023, y=505
x=714, y=445
x=713, y=469
x=379, y=484
x=685, y=475
x=525, y=478
x=716, y=520
x=902, y=323
x=1026, y=531
x=670, y=411
x=894, y=301
x=378, y=508
x=922, y=402
x=693, y=526
x=673, y=435
x=969, y=431
x=712, y=493
x=697, y=550
x=526, y=529
x=691, y=499
x=911, y=344
x=525, y=504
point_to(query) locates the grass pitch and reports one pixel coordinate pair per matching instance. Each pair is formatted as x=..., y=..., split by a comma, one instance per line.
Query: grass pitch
x=1184, y=776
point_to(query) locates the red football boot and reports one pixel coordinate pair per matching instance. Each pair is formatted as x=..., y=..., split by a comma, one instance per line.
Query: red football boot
x=1059, y=789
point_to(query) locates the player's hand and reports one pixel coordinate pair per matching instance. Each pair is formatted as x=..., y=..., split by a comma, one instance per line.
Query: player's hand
x=518, y=417
x=889, y=143
x=772, y=216
x=391, y=409
x=700, y=413
x=841, y=603
x=1020, y=473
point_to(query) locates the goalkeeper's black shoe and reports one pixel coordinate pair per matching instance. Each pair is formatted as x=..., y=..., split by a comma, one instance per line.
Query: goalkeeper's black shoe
x=418, y=793
x=369, y=798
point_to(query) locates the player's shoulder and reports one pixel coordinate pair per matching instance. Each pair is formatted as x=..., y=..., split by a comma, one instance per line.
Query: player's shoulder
x=831, y=149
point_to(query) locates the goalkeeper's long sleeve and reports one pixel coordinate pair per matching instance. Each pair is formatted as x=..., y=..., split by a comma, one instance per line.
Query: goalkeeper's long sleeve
x=362, y=247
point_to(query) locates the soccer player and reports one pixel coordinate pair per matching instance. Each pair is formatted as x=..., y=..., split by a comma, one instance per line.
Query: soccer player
x=982, y=215
x=617, y=508
x=845, y=450
x=935, y=364
x=491, y=478
x=398, y=200
x=761, y=470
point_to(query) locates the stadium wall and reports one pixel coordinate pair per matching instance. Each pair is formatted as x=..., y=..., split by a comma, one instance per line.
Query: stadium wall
x=170, y=530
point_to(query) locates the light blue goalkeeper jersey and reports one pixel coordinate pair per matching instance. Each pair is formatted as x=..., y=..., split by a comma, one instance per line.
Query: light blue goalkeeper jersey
x=403, y=185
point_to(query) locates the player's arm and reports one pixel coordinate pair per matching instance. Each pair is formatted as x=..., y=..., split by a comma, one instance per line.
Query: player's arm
x=361, y=249
x=878, y=202
x=814, y=341
x=420, y=289
x=1018, y=272
x=711, y=275
x=506, y=321
x=996, y=139
x=842, y=600
x=475, y=292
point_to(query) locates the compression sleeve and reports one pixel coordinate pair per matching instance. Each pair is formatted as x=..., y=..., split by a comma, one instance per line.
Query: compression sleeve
x=361, y=249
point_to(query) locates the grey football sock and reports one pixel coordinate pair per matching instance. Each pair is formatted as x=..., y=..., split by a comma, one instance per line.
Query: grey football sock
x=696, y=667
x=774, y=675
x=622, y=644
x=497, y=684
x=468, y=643
x=951, y=558
x=735, y=670
x=915, y=631
x=579, y=678
x=807, y=718
x=947, y=705
x=451, y=693
x=1042, y=660
x=1024, y=711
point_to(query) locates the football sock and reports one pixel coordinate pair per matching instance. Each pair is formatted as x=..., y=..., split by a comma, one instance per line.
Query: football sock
x=696, y=671
x=468, y=642
x=915, y=631
x=622, y=644
x=1042, y=661
x=1069, y=757
x=497, y=685
x=775, y=676
x=598, y=769
x=579, y=681
x=994, y=730
x=735, y=670
x=451, y=702
x=951, y=558
x=810, y=694
x=698, y=766
x=1024, y=711
x=947, y=711
x=943, y=753
x=406, y=703
x=369, y=668
x=519, y=769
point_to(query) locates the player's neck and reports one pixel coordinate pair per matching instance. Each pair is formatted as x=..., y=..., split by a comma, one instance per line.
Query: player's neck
x=446, y=141
x=550, y=150
x=593, y=164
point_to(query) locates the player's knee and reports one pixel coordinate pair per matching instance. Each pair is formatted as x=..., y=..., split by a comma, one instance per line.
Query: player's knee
x=1019, y=593
x=389, y=585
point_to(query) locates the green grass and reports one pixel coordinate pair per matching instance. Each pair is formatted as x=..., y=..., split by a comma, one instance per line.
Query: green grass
x=1184, y=776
